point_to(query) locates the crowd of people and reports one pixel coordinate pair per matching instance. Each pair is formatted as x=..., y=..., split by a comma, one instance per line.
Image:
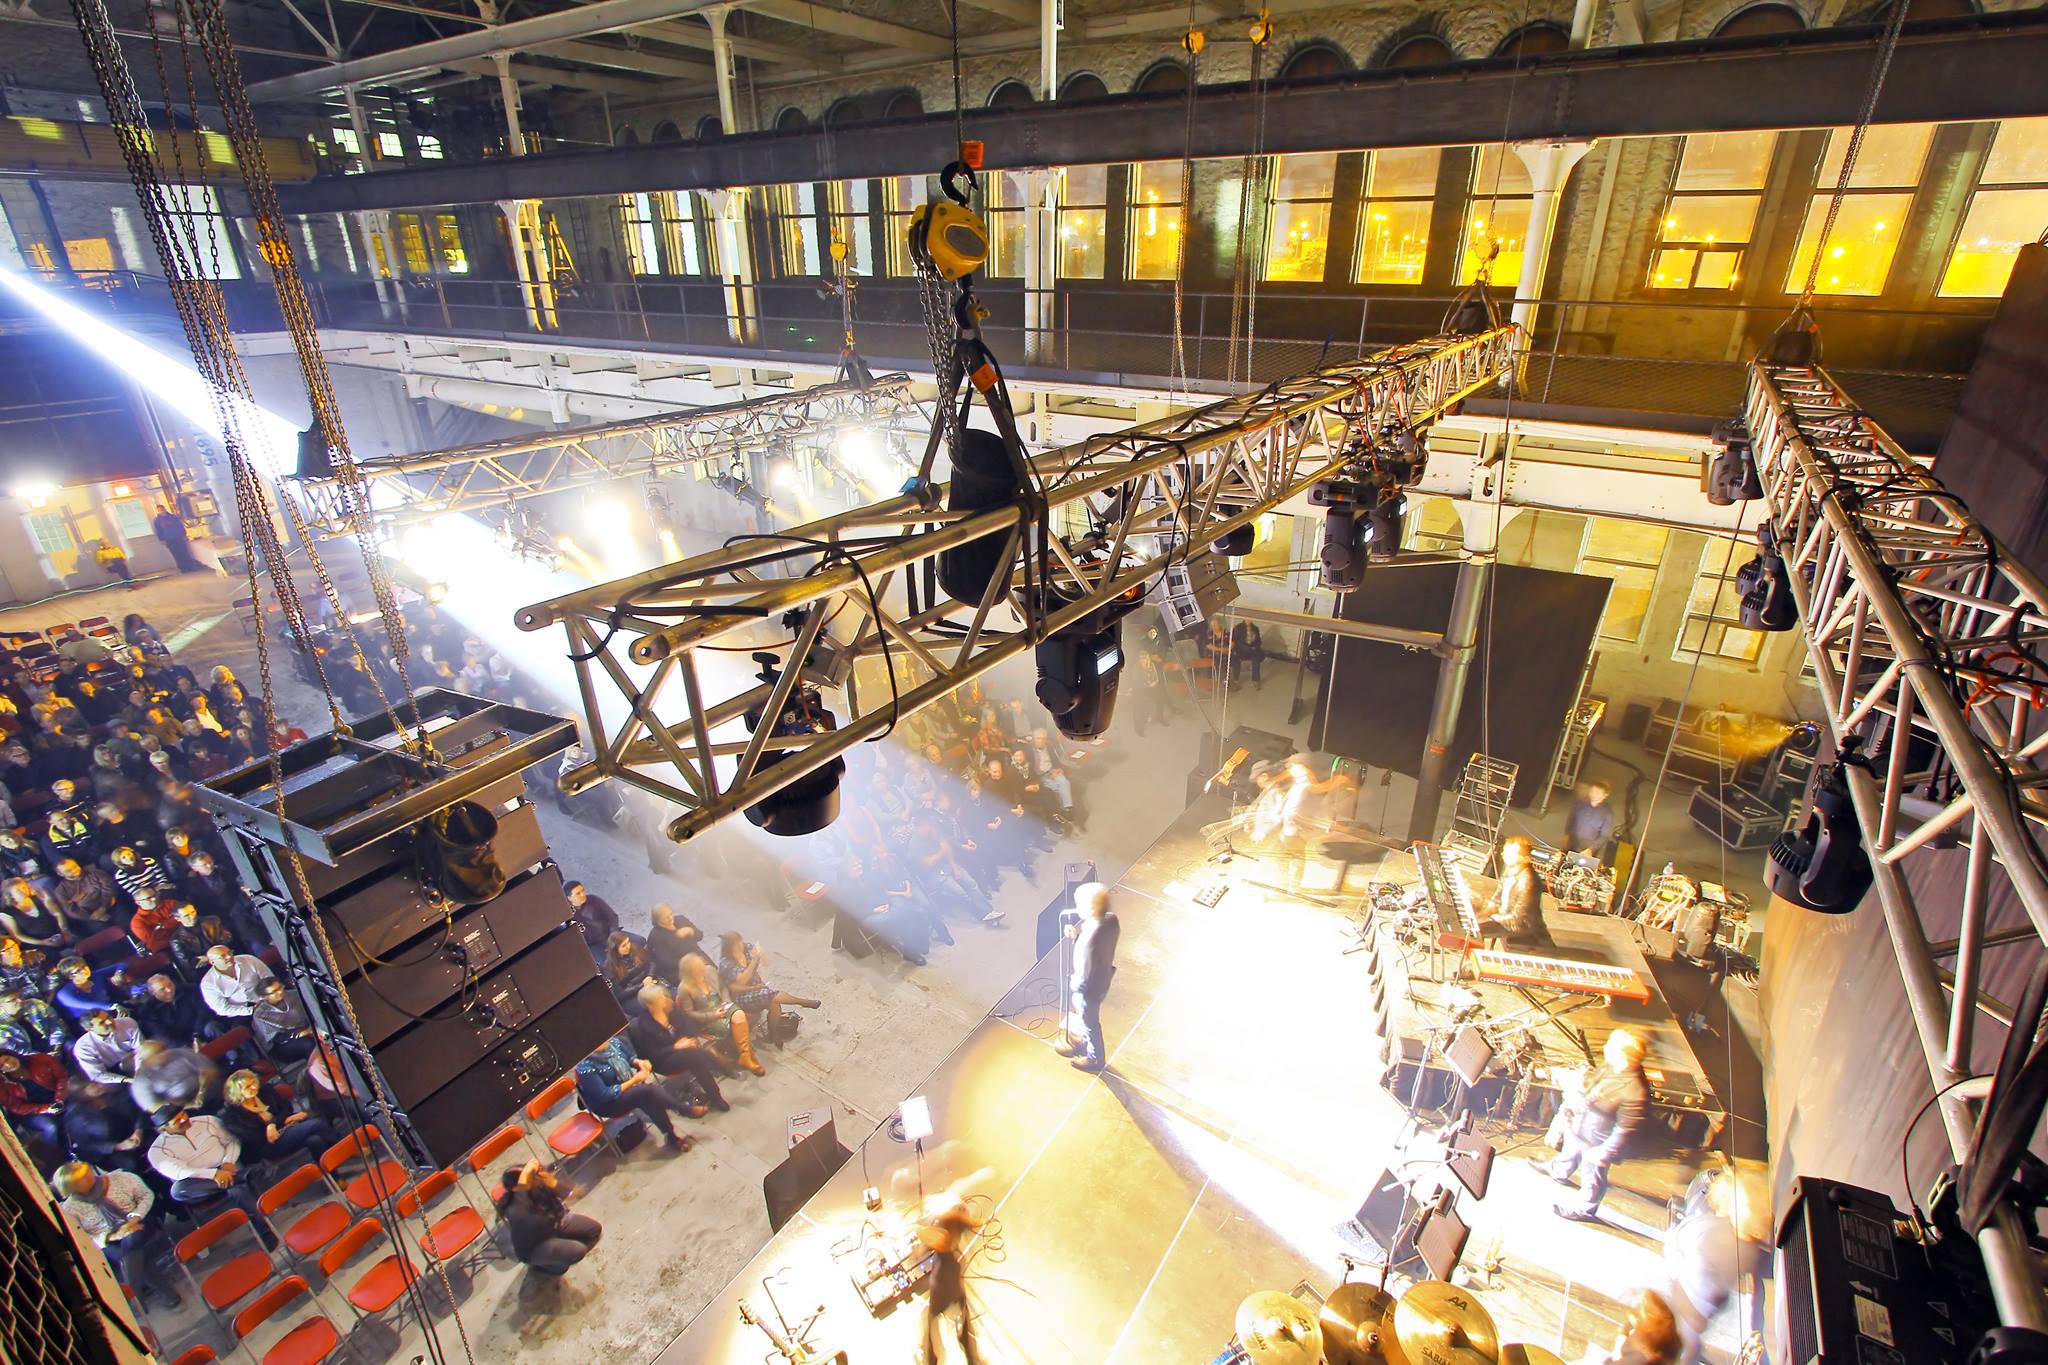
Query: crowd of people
x=145, y=1038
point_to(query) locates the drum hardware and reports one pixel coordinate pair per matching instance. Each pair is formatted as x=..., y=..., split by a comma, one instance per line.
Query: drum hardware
x=1278, y=1329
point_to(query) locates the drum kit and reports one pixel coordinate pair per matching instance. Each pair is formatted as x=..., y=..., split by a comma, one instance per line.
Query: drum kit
x=1360, y=1324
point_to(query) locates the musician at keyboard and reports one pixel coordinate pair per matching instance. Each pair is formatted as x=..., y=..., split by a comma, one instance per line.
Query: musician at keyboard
x=1515, y=913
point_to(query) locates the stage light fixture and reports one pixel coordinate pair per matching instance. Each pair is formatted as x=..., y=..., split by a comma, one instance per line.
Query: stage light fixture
x=316, y=457
x=1766, y=588
x=1079, y=666
x=36, y=493
x=607, y=517
x=1731, y=475
x=916, y=1116
x=1239, y=541
x=782, y=473
x=735, y=486
x=811, y=802
x=859, y=453
x=1344, y=533
x=1384, y=524
x=1824, y=867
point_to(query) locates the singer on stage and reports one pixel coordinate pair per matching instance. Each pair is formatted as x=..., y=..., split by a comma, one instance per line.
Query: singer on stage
x=1094, y=965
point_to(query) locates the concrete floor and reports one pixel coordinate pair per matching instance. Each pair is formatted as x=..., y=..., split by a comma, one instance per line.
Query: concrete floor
x=678, y=1231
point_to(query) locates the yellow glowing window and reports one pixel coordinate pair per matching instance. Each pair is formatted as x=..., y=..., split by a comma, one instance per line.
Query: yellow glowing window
x=679, y=224
x=1084, y=221
x=1627, y=553
x=1713, y=611
x=901, y=197
x=1393, y=229
x=792, y=211
x=2001, y=220
x=1155, y=220
x=1889, y=159
x=1710, y=213
x=636, y=227
x=851, y=225
x=1007, y=193
x=1496, y=219
x=412, y=244
x=448, y=235
x=1298, y=216
x=1859, y=250
x=1725, y=161
x=41, y=129
x=90, y=253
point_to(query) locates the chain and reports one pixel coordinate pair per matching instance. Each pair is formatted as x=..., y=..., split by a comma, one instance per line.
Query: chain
x=1244, y=283
x=1187, y=198
x=1887, y=45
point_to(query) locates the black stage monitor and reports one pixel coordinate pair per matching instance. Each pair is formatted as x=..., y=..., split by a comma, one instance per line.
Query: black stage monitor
x=1440, y=1238
x=802, y=1173
x=1471, y=1160
x=1470, y=1054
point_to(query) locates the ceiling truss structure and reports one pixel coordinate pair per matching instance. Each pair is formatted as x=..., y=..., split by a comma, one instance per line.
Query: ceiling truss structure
x=1917, y=622
x=1132, y=502
x=407, y=489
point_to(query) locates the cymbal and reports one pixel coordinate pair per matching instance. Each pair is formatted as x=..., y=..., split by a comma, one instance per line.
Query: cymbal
x=1521, y=1353
x=1351, y=1321
x=1278, y=1329
x=1440, y=1324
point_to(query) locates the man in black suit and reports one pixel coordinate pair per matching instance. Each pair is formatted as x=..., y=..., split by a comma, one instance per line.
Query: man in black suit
x=1596, y=1127
x=1094, y=965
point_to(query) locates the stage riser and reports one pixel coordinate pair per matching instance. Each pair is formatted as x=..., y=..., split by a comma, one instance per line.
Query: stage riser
x=1686, y=1124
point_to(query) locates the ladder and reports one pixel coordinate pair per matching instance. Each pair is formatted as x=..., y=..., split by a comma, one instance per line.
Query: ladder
x=1481, y=808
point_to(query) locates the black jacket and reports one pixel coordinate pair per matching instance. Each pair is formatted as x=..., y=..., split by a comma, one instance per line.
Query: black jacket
x=1092, y=975
x=1613, y=1109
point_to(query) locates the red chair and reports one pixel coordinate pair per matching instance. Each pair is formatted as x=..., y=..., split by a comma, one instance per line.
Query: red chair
x=143, y=966
x=485, y=1155
x=576, y=1134
x=236, y=1278
x=104, y=946
x=314, y=1229
x=384, y=1283
x=273, y=959
x=378, y=1180
x=453, y=1233
x=307, y=1342
x=198, y=1355
x=235, y=1040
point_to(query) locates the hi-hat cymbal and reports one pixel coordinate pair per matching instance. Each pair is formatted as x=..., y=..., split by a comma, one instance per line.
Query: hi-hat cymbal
x=1278, y=1329
x=1440, y=1324
x=1521, y=1353
x=1351, y=1321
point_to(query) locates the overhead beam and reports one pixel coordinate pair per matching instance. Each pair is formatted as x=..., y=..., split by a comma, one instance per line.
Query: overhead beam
x=521, y=35
x=1983, y=67
x=532, y=73
x=629, y=59
x=1016, y=11
x=684, y=33
x=826, y=19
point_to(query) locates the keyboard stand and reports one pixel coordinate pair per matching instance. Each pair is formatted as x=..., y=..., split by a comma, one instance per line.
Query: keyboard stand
x=1540, y=1012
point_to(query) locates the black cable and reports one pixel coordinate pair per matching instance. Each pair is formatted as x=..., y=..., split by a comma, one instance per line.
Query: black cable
x=1905, y=1177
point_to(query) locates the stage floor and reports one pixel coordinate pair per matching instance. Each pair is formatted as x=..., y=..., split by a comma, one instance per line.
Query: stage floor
x=1239, y=1121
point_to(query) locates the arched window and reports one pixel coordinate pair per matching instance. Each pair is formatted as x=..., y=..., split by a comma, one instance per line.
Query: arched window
x=842, y=112
x=1162, y=78
x=1760, y=21
x=1419, y=49
x=1083, y=85
x=625, y=137
x=1010, y=95
x=1532, y=40
x=1314, y=59
x=665, y=131
x=709, y=127
x=791, y=120
x=903, y=104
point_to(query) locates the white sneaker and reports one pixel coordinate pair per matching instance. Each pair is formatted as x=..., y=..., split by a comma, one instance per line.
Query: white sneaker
x=992, y=917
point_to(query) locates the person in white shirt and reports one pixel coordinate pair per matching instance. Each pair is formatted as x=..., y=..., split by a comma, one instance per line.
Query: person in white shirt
x=202, y=1160
x=105, y=1052
x=114, y=1209
x=233, y=982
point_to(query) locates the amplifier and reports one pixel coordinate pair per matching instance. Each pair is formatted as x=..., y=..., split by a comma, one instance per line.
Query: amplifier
x=477, y=1103
x=1859, y=1289
x=429, y=970
x=431, y=1053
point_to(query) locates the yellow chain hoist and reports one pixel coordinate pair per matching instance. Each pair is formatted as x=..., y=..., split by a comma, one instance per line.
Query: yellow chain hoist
x=947, y=234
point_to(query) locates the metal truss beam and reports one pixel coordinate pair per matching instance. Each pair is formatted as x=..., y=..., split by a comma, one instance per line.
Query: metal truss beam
x=1917, y=622
x=417, y=488
x=1984, y=67
x=1120, y=509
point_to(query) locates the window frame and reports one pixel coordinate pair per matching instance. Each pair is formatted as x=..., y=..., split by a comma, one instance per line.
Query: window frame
x=1068, y=211
x=853, y=223
x=1494, y=196
x=1587, y=556
x=40, y=527
x=1677, y=193
x=1985, y=189
x=1729, y=626
x=201, y=233
x=1276, y=203
x=796, y=234
x=1820, y=192
x=1176, y=226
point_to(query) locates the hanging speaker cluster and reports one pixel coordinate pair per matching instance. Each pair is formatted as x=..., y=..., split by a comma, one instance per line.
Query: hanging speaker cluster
x=1766, y=588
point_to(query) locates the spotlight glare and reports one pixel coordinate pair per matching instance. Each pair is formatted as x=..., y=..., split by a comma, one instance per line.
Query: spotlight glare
x=607, y=517
x=859, y=452
x=36, y=492
x=669, y=548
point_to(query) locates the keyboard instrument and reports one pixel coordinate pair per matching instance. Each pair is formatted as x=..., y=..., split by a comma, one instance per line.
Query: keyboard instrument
x=1558, y=974
x=1450, y=899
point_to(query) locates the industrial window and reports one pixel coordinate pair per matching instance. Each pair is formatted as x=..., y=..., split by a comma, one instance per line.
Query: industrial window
x=430, y=147
x=643, y=242
x=390, y=146
x=1155, y=220
x=412, y=244
x=1393, y=230
x=448, y=237
x=902, y=196
x=1710, y=214
x=196, y=221
x=348, y=243
x=1436, y=525
x=1712, y=611
x=1009, y=195
x=1866, y=233
x=680, y=224
x=2008, y=210
x=345, y=138
x=793, y=228
x=1627, y=553
x=1496, y=220
x=89, y=254
x=53, y=535
x=852, y=224
x=1084, y=221
x=1298, y=216
x=131, y=517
